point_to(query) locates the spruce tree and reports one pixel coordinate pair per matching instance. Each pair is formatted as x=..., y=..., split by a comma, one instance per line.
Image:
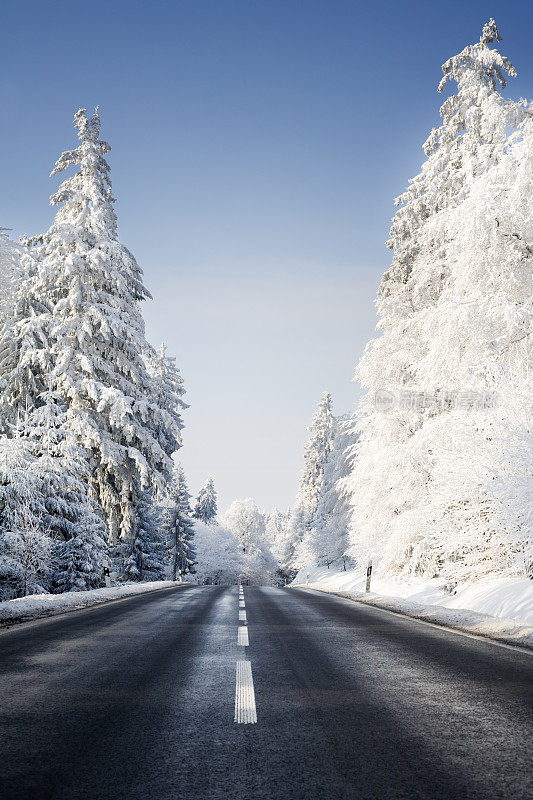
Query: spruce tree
x=180, y=527
x=80, y=329
x=72, y=519
x=276, y=526
x=10, y=274
x=142, y=553
x=205, y=508
x=25, y=547
x=328, y=538
x=316, y=454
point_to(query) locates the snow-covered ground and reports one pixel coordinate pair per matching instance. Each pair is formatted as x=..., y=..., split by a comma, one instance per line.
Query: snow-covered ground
x=501, y=608
x=44, y=605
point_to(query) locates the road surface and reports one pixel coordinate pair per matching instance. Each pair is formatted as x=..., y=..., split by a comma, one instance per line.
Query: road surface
x=136, y=699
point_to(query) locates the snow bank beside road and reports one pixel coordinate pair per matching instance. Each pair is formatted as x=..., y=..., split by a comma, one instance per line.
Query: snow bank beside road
x=44, y=605
x=499, y=608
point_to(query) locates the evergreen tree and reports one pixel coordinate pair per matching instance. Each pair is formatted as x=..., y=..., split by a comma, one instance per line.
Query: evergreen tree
x=10, y=274
x=25, y=547
x=142, y=554
x=167, y=392
x=454, y=310
x=80, y=329
x=276, y=531
x=205, y=508
x=71, y=518
x=328, y=539
x=316, y=454
x=180, y=527
x=11, y=277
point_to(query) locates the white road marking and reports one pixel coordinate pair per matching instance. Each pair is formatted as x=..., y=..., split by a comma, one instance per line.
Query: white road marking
x=242, y=616
x=242, y=604
x=245, y=711
x=242, y=636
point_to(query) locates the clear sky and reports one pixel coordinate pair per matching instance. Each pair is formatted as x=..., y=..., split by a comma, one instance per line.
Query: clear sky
x=257, y=148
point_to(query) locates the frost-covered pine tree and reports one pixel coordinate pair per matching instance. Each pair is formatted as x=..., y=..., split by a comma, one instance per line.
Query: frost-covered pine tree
x=10, y=273
x=455, y=308
x=180, y=527
x=276, y=529
x=142, y=553
x=205, y=507
x=167, y=392
x=316, y=454
x=81, y=331
x=328, y=538
x=25, y=547
x=69, y=515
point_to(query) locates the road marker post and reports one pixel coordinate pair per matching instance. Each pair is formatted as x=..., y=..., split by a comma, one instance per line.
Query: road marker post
x=368, y=575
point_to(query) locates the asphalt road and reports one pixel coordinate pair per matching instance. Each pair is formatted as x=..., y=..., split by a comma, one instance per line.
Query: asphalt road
x=135, y=700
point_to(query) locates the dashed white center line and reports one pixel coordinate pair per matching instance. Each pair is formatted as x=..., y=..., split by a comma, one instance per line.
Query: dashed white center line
x=242, y=604
x=245, y=710
x=242, y=636
x=242, y=615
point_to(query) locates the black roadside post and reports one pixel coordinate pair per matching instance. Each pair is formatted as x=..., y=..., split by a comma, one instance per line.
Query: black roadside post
x=368, y=575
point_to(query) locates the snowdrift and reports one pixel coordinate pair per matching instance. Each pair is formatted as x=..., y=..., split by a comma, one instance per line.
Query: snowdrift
x=45, y=605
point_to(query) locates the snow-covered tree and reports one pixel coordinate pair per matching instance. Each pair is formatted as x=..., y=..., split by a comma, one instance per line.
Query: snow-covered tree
x=316, y=453
x=142, y=553
x=205, y=508
x=79, y=329
x=179, y=526
x=25, y=547
x=219, y=554
x=10, y=273
x=454, y=358
x=328, y=537
x=259, y=567
x=70, y=516
x=276, y=530
x=167, y=392
x=245, y=521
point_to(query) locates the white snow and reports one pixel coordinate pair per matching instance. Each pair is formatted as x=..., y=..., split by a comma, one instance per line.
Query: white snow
x=500, y=608
x=44, y=605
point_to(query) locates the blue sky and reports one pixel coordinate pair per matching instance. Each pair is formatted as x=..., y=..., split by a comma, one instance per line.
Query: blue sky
x=256, y=150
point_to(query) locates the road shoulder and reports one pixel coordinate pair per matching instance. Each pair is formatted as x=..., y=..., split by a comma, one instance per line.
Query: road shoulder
x=25, y=609
x=498, y=629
